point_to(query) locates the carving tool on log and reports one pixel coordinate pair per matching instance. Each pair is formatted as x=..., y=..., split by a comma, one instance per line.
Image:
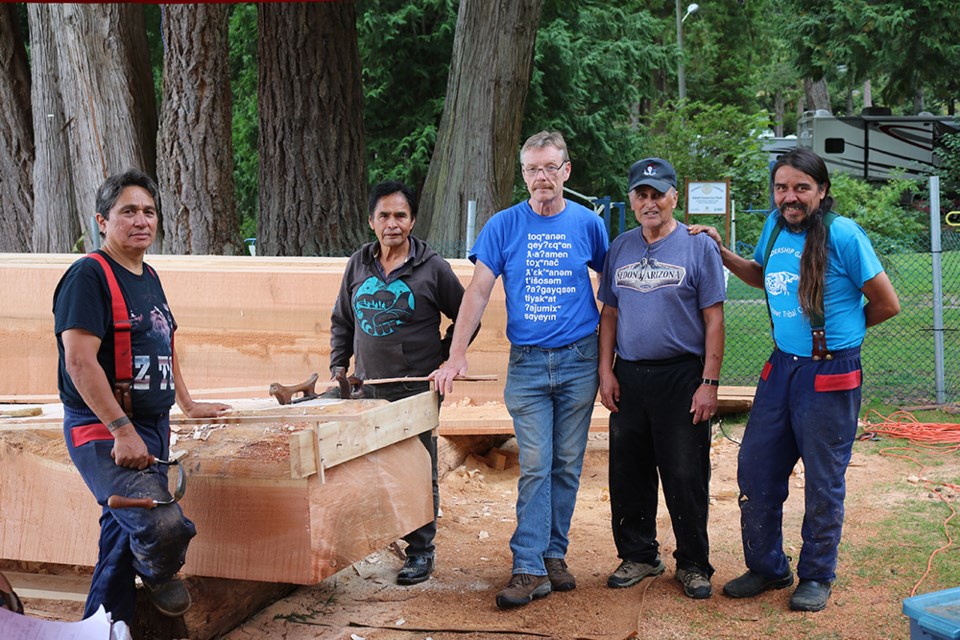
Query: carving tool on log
x=123, y=502
x=351, y=387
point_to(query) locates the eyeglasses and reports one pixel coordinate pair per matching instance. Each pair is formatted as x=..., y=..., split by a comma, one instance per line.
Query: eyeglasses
x=549, y=170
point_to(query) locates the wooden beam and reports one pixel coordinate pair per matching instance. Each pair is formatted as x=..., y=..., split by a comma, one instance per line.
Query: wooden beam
x=493, y=418
x=254, y=521
x=49, y=587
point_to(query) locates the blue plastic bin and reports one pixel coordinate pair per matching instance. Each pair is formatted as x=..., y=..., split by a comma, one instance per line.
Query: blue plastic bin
x=934, y=616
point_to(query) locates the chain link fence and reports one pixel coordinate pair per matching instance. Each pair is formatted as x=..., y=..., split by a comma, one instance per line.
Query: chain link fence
x=898, y=355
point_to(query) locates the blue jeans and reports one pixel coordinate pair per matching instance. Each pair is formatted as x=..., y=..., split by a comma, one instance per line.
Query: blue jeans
x=807, y=410
x=550, y=394
x=151, y=543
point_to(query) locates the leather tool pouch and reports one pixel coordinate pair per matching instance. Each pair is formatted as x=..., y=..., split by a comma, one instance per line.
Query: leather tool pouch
x=121, y=391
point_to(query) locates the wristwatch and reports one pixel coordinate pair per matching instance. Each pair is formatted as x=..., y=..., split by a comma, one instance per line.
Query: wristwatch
x=712, y=383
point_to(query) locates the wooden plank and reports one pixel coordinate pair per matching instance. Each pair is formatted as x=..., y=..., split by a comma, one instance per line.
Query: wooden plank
x=493, y=418
x=49, y=587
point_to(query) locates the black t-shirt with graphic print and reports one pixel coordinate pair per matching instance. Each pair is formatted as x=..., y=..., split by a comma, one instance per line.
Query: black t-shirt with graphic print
x=82, y=301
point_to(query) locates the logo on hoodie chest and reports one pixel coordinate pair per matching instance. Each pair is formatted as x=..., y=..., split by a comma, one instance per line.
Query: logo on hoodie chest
x=381, y=307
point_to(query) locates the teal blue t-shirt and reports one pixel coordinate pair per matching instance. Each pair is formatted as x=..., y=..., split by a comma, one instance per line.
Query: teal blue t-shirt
x=851, y=262
x=544, y=262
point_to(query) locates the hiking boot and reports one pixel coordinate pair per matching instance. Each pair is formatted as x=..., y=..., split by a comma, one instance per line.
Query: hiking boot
x=523, y=588
x=416, y=569
x=560, y=578
x=753, y=584
x=171, y=597
x=630, y=573
x=696, y=583
x=810, y=595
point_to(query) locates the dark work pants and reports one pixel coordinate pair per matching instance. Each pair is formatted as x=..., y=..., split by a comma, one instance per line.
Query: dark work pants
x=151, y=543
x=420, y=541
x=652, y=440
x=804, y=409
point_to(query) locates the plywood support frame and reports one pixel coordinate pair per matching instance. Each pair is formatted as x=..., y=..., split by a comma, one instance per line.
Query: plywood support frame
x=328, y=444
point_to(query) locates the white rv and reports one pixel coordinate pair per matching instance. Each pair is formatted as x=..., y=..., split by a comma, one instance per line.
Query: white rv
x=875, y=145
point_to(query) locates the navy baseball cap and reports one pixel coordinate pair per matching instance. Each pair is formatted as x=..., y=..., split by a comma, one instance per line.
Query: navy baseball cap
x=654, y=172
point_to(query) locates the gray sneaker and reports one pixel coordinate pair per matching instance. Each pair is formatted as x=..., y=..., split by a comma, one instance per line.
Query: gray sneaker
x=630, y=573
x=696, y=583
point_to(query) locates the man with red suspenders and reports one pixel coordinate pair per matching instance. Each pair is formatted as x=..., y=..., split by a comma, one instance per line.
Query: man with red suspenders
x=816, y=268
x=118, y=377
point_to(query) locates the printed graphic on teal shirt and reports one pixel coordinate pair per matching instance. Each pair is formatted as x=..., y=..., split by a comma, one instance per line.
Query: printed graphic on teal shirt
x=381, y=308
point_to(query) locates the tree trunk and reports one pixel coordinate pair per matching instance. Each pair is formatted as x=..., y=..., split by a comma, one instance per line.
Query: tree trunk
x=312, y=175
x=56, y=223
x=195, y=148
x=778, y=112
x=816, y=93
x=106, y=85
x=476, y=151
x=16, y=137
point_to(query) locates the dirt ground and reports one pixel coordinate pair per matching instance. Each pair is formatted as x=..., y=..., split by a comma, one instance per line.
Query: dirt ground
x=363, y=603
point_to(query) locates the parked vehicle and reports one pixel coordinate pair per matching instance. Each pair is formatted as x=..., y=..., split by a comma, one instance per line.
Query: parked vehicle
x=876, y=145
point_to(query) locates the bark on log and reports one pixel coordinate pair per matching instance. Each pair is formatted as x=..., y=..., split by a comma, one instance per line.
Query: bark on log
x=477, y=143
x=195, y=146
x=16, y=137
x=312, y=176
x=56, y=222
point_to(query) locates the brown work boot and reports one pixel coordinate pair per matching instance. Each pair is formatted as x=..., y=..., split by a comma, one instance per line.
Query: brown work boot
x=560, y=578
x=523, y=588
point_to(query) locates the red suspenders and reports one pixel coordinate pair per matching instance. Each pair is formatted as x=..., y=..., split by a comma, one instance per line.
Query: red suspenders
x=122, y=351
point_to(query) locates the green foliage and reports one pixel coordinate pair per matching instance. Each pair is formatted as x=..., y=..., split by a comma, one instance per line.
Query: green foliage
x=713, y=142
x=949, y=153
x=906, y=49
x=878, y=208
x=405, y=49
x=729, y=48
x=246, y=126
x=595, y=62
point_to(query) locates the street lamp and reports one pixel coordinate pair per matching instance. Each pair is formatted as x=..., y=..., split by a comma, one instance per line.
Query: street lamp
x=681, y=77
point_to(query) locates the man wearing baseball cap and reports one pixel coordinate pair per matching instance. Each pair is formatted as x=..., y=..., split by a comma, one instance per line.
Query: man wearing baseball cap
x=661, y=347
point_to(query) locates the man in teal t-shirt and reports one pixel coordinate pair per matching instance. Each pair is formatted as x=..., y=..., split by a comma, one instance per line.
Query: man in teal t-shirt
x=815, y=268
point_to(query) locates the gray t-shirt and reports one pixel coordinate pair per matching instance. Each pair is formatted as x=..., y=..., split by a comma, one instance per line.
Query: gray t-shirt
x=659, y=290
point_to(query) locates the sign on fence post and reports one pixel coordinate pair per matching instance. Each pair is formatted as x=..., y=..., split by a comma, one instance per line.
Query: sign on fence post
x=709, y=198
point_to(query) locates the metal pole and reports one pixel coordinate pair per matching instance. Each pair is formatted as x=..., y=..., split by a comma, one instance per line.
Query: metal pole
x=937, y=288
x=94, y=233
x=471, y=226
x=681, y=78
x=733, y=226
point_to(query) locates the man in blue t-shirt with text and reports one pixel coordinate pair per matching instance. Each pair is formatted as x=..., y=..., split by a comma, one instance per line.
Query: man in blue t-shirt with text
x=543, y=247
x=815, y=268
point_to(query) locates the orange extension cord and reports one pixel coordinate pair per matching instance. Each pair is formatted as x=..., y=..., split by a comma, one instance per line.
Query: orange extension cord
x=932, y=437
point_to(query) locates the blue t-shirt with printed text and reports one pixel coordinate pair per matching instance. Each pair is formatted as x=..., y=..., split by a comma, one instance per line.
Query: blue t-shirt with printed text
x=544, y=262
x=851, y=262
